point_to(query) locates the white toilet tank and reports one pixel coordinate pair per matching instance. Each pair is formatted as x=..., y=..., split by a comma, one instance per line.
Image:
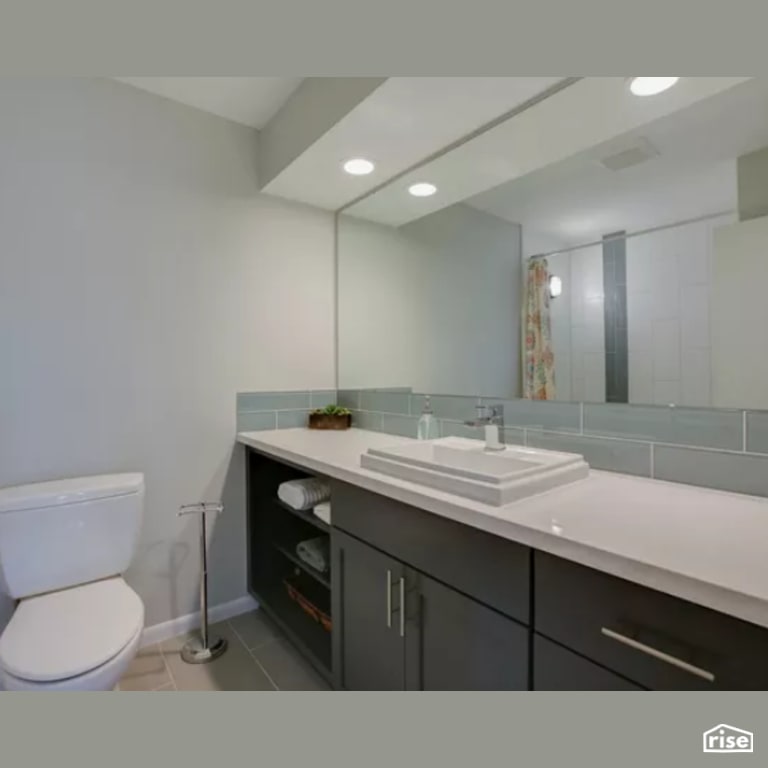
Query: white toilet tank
x=67, y=532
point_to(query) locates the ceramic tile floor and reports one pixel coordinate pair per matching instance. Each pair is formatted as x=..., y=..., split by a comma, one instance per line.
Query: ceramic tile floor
x=259, y=658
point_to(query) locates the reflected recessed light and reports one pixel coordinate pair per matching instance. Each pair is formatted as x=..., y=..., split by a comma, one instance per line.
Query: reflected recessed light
x=358, y=166
x=650, y=86
x=422, y=189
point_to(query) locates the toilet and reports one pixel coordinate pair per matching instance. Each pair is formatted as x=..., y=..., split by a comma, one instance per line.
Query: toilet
x=63, y=547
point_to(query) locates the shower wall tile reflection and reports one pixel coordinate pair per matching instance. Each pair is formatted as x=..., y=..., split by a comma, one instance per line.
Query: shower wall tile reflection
x=668, y=314
x=633, y=321
x=615, y=315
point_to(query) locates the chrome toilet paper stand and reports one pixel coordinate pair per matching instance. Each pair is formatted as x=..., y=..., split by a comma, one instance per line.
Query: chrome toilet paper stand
x=203, y=649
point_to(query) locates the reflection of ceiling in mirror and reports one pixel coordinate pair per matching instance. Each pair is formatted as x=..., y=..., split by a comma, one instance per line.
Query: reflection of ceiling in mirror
x=584, y=205
x=577, y=119
x=691, y=173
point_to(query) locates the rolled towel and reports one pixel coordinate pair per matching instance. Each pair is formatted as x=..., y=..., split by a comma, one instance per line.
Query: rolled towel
x=323, y=511
x=304, y=494
x=314, y=552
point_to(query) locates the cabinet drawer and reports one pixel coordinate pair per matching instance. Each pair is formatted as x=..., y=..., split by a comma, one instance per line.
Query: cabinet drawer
x=659, y=641
x=557, y=669
x=493, y=570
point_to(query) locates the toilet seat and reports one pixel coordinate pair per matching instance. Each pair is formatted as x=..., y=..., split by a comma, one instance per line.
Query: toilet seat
x=103, y=678
x=69, y=633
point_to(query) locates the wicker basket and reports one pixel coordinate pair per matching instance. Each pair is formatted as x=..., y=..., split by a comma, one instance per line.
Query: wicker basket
x=308, y=606
x=330, y=421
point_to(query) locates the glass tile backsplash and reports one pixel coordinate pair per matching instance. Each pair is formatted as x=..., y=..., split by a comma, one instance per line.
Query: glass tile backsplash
x=713, y=448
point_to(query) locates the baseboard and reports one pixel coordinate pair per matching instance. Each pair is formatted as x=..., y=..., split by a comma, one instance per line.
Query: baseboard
x=168, y=629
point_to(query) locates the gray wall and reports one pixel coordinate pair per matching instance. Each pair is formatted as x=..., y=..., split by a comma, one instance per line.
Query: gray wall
x=143, y=282
x=752, y=175
x=433, y=305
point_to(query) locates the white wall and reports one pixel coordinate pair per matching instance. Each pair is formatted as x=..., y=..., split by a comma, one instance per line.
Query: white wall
x=668, y=314
x=143, y=282
x=434, y=305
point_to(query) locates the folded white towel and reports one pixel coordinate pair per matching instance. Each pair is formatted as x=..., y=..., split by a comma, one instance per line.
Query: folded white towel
x=323, y=511
x=303, y=494
x=314, y=552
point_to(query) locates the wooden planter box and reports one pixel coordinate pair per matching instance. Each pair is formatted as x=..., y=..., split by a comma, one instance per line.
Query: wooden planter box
x=328, y=421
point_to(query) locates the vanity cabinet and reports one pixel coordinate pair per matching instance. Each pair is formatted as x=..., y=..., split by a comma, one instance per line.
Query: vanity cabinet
x=398, y=629
x=422, y=602
x=432, y=603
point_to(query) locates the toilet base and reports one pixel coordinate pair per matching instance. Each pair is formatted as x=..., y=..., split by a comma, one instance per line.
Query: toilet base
x=193, y=651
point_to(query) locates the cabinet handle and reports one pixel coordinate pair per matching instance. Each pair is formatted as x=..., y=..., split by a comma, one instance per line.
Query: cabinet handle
x=402, y=607
x=657, y=654
x=389, y=599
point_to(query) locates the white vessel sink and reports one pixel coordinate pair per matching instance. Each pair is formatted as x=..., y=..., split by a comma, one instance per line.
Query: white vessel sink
x=463, y=467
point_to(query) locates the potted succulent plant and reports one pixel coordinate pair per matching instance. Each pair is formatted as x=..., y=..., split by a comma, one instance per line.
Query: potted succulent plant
x=330, y=417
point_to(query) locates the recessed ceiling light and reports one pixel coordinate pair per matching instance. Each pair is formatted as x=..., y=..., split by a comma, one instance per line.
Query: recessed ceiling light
x=358, y=166
x=650, y=86
x=422, y=189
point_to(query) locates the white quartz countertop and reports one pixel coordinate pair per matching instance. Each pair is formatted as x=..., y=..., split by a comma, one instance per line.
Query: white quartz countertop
x=709, y=547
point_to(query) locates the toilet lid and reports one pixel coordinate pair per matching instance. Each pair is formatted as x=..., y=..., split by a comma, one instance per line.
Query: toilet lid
x=67, y=633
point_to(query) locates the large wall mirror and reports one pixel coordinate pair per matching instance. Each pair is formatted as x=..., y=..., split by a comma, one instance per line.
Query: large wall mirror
x=597, y=246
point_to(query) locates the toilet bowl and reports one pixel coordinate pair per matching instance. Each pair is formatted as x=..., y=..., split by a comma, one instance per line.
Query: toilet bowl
x=78, y=639
x=63, y=546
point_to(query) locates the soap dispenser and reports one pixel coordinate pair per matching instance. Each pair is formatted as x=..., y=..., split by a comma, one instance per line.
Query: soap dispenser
x=427, y=429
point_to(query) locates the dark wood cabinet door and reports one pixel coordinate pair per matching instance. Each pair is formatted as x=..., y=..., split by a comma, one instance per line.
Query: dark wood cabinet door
x=557, y=669
x=454, y=643
x=369, y=647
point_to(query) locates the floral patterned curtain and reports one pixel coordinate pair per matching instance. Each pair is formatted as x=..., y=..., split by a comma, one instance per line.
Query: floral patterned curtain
x=538, y=360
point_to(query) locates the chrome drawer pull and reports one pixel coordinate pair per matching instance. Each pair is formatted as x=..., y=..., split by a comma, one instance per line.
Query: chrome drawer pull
x=650, y=651
x=389, y=599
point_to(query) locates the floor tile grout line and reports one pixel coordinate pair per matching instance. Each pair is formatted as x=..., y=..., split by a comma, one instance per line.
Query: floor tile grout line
x=252, y=655
x=168, y=667
x=236, y=634
x=252, y=647
x=263, y=669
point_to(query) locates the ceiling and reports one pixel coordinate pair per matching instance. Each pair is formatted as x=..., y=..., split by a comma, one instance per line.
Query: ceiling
x=251, y=101
x=586, y=114
x=694, y=174
x=540, y=167
x=402, y=122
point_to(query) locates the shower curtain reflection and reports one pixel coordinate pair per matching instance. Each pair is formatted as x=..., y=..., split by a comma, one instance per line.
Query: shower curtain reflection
x=538, y=357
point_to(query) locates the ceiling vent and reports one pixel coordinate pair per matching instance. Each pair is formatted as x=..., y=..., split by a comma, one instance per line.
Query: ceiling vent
x=634, y=153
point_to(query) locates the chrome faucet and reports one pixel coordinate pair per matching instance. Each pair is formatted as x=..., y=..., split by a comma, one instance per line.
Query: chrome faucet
x=488, y=416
